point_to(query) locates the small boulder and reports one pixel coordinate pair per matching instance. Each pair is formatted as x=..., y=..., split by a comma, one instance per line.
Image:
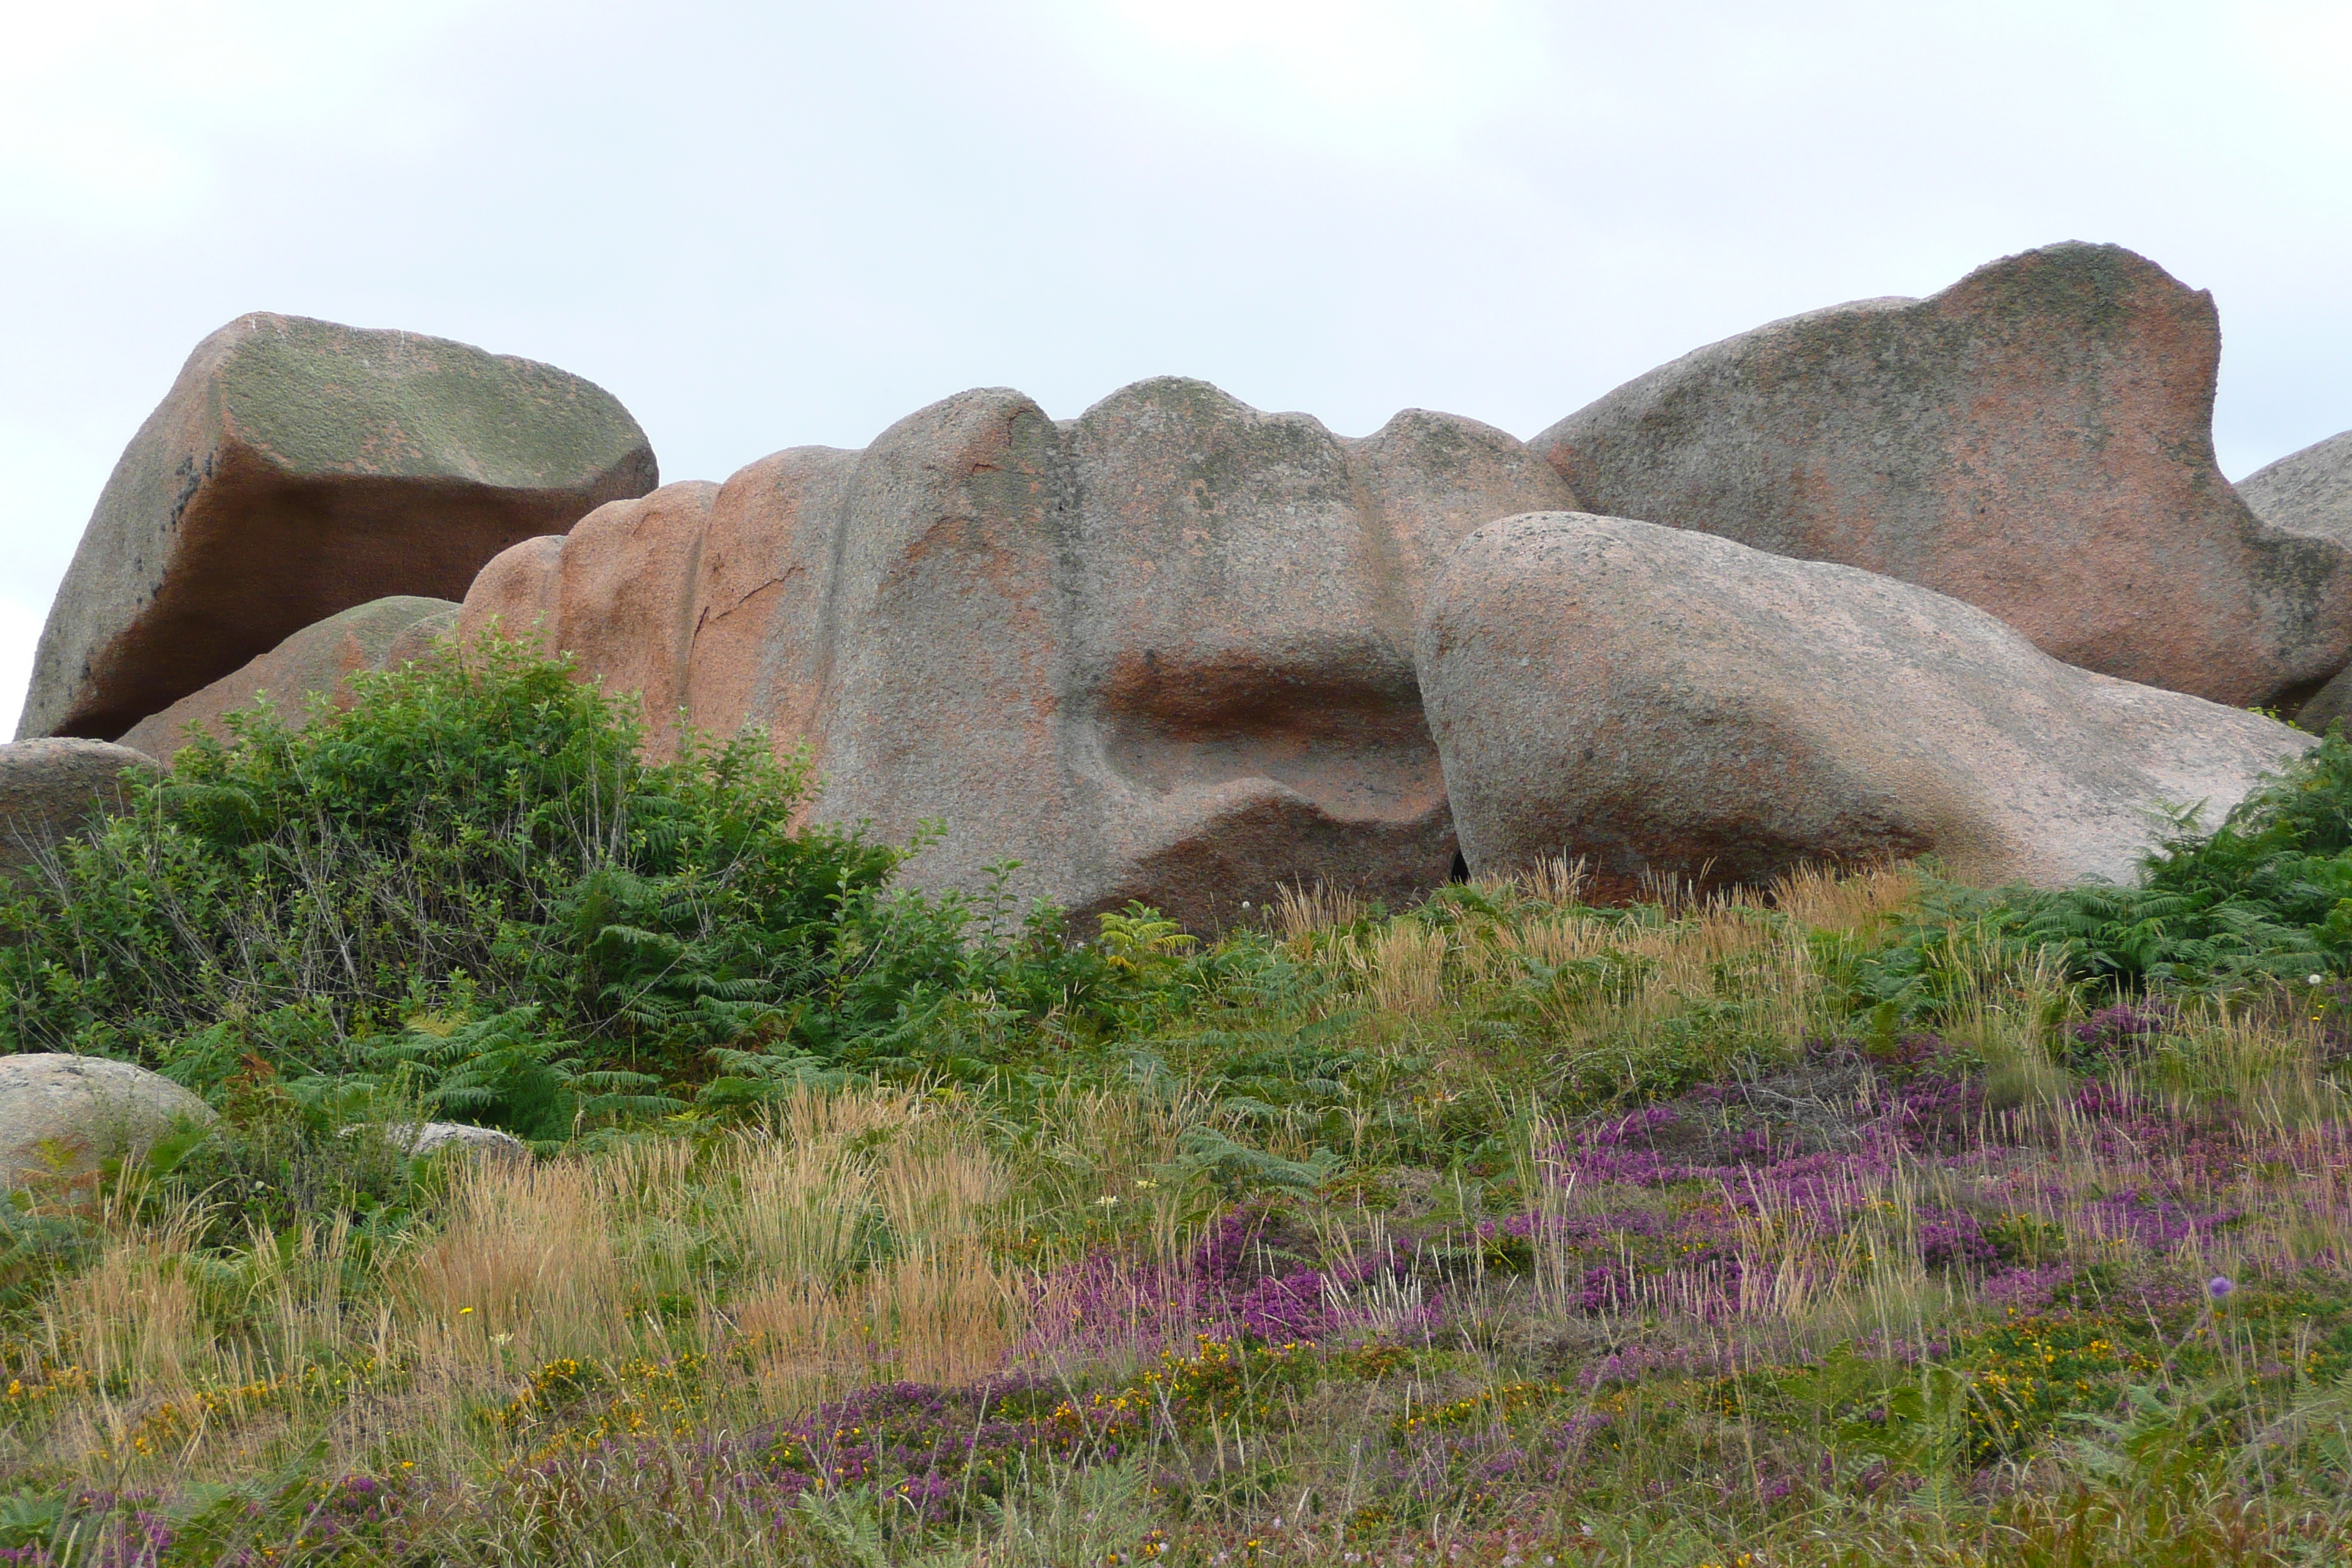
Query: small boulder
x=299, y=468
x=60, y=1115
x=2036, y=439
x=53, y=789
x=379, y=634
x=419, y=1140
x=1676, y=704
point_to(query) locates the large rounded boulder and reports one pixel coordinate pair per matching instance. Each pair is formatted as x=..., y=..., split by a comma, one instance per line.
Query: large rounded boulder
x=297, y=469
x=2036, y=440
x=60, y=1115
x=1669, y=704
x=2310, y=493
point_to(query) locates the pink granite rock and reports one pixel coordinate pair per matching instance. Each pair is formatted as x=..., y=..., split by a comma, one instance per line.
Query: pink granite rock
x=1162, y=651
x=317, y=660
x=2036, y=439
x=297, y=469
x=1667, y=703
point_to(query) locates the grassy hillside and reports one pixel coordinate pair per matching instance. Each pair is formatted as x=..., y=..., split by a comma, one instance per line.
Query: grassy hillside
x=1860, y=1219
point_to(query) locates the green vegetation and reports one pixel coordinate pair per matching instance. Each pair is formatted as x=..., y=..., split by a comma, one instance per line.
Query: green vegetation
x=470, y=889
x=1864, y=1218
x=2268, y=894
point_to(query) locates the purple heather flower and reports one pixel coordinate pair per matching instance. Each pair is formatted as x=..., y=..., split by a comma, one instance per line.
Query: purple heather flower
x=2219, y=1286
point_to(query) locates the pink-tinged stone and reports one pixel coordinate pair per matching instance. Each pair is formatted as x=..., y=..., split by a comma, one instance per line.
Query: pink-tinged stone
x=1669, y=704
x=520, y=595
x=1162, y=651
x=2036, y=439
x=320, y=659
x=297, y=469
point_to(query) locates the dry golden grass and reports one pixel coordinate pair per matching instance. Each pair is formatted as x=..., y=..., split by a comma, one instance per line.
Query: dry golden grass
x=797, y=1209
x=1557, y=881
x=529, y=1257
x=1301, y=911
x=133, y=1314
x=937, y=1309
x=2271, y=1067
x=1404, y=969
x=846, y=1239
x=939, y=1313
x=1818, y=898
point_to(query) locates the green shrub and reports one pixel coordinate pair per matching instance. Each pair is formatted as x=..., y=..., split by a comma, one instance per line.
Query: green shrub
x=2266, y=896
x=469, y=886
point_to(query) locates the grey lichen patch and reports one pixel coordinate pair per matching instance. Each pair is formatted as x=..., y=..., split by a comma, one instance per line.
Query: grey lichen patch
x=321, y=399
x=2091, y=287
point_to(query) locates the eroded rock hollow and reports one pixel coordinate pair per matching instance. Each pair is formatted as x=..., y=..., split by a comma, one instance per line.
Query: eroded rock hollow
x=1160, y=651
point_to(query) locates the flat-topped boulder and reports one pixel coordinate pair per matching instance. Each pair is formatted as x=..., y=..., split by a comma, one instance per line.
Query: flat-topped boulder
x=317, y=660
x=52, y=789
x=1671, y=704
x=2036, y=440
x=297, y=469
x=1162, y=651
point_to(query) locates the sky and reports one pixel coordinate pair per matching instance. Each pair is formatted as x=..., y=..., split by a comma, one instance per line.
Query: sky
x=771, y=224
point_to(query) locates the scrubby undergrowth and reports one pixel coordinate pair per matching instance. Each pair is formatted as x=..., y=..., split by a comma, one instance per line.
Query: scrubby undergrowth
x=1870, y=1219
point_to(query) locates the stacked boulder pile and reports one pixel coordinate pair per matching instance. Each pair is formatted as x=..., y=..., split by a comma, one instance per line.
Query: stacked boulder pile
x=1955, y=576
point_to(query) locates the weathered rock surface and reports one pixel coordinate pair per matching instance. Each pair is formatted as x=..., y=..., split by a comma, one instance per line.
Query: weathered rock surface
x=618, y=592
x=52, y=789
x=60, y=1115
x=2036, y=439
x=422, y=1138
x=379, y=634
x=1162, y=651
x=1675, y=703
x=2309, y=494
x=297, y=468
x=477, y=1142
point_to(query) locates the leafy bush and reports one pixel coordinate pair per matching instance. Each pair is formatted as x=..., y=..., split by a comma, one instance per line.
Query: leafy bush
x=469, y=886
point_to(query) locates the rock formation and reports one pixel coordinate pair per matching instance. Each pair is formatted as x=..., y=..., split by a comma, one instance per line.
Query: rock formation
x=618, y=592
x=1165, y=650
x=2309, y=493
x=53, y=789
x=423, y=1140
x=2035, y=439
x=319, y=660
x=297, y=469
x=1162, y=651
x=1674, y=703
x=60, y=1115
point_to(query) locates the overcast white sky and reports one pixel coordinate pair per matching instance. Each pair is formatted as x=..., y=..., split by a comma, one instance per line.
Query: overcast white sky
x=767, y=225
